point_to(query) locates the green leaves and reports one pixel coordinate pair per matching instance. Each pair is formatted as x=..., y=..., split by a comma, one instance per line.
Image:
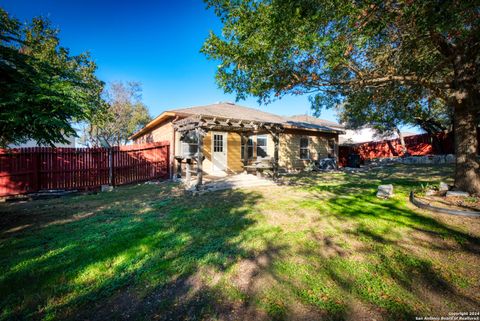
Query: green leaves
x=43, y=89
x=342, y=49
x=124, y=115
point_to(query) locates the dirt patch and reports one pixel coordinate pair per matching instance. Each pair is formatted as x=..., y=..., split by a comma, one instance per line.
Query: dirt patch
x=454, y=203
x=195, y=297
x=466, y=224
x=301, y=312
x=359, y=311
x=252, y=274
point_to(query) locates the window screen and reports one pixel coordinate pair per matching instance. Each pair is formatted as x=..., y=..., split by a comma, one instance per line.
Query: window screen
x=331, y=148
x=190, y=145
x=249, y=149
x=262, y=146
x=304, y=151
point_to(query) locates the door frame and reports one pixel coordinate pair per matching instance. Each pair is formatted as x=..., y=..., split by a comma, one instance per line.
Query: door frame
x=225, y=146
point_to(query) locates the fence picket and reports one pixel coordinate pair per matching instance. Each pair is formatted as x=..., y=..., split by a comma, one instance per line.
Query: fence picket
x=32, y=169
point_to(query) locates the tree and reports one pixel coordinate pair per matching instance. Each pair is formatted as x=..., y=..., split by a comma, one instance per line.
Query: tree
x=43, y=89
x=334, y=49
x=124, y=115
x=396, y=107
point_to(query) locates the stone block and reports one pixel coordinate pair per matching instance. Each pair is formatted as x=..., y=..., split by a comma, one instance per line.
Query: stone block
x=443, y=187
x=106, y=188
x=450, y=159
x=457, y=194
x=385, y=191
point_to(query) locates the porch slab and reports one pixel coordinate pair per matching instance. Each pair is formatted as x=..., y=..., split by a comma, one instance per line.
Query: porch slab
x=243, y=180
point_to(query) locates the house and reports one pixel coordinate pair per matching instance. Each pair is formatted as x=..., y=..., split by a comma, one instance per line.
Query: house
x=230, y=138
x=351, y=136
x=367, y=134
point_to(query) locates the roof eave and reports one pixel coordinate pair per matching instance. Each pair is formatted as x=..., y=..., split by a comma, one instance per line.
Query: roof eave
x=156, y=121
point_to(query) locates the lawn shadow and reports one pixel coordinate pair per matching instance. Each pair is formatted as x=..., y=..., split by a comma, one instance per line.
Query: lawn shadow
x=388, y=231
x=25, y=216
x=73, y=267
x=388, y=269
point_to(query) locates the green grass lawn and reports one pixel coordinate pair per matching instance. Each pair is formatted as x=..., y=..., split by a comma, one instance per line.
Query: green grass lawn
x=323, y=249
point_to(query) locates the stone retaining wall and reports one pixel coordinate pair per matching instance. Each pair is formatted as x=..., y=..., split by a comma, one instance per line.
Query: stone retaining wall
x=429, y=159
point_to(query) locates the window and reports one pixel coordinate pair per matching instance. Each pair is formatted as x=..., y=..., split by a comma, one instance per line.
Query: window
x=217, y=143
x=304, y=151
x=189, y=145
x=249, y=148
x=262, y=146
x=331, y=148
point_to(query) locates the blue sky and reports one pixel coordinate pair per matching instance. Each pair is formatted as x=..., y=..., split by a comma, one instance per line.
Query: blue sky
x=156, y=43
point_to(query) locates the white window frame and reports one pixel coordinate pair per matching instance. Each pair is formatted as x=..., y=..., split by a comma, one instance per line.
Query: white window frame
x=331, y=149
x=250, y=140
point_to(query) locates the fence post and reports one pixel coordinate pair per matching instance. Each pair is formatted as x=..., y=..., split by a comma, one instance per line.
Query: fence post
x=110, y=166
x=37, y=167
x=169, y=166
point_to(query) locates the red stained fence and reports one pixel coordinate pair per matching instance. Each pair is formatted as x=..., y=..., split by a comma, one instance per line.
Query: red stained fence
x=28, y=170
x=417, y=145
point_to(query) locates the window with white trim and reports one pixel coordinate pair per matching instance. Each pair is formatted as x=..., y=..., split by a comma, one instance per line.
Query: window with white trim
x=262, y=146
x=249, y=148
x=331, y=148
x=304, y=149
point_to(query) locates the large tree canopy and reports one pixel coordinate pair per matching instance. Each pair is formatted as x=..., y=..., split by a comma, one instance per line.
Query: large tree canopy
x=43, y=88
x=362, y=54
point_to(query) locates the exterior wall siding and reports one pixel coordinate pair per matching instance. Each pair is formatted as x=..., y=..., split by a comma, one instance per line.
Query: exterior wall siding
x=162, y=132
x=207, y=152
x=289, y=153
x=234, y=153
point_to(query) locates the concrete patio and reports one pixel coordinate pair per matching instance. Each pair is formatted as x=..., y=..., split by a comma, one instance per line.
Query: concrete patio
x=243, y=180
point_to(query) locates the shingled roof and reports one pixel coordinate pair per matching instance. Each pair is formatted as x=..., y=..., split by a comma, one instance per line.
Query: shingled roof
x=233, y=111
x=317, y=121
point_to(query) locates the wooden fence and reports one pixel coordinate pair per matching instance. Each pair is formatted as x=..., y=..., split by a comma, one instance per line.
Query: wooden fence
x=417, y=145
x=28, y=170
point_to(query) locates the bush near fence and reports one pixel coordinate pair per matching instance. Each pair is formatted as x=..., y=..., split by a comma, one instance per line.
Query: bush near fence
x=417, y=145
x=29, y=170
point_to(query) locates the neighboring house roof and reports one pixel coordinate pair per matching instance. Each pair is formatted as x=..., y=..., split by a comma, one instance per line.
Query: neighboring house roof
x=365, y=135
x=317, y=121
x=407, y=134
x=234, y=111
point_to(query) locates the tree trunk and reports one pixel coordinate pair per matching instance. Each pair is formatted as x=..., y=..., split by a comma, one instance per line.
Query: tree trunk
x=437, y=144
x=402, y=141
x=467, y=170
